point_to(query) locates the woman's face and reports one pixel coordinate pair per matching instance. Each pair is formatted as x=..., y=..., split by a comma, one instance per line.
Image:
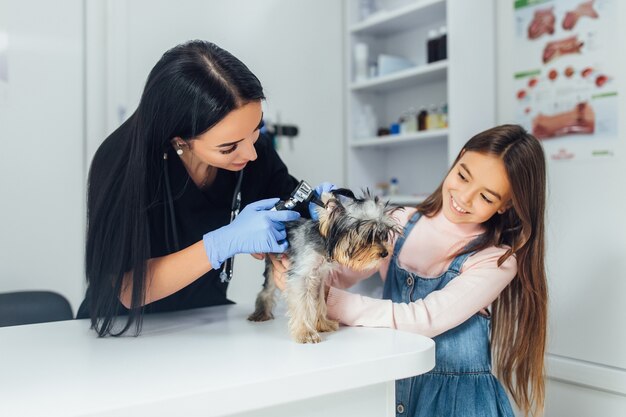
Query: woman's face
x=230, y=143
x=475, y=189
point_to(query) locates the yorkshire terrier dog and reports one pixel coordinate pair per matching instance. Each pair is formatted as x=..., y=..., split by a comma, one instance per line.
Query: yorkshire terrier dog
x=353, y=232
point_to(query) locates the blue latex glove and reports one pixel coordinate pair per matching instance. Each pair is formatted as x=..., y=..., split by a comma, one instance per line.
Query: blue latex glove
x=254, y=230
x=320, y=189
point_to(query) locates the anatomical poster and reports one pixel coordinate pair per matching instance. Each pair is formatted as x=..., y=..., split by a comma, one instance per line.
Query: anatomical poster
x=565, y=69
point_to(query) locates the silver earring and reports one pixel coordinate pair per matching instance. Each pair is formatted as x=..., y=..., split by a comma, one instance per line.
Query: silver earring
x=179, y=151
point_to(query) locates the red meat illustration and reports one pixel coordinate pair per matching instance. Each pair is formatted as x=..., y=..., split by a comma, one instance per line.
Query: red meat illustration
x=581, y=119
x=543, y=22
x=565, y=46
x=583, y=9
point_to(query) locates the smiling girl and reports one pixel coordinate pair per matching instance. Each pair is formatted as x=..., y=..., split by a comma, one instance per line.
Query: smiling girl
x=469, y=272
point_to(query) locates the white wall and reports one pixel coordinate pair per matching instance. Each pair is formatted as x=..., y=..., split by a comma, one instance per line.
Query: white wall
x=293, y=47
x=42, y=166
x=76, y=70
x=586, y=262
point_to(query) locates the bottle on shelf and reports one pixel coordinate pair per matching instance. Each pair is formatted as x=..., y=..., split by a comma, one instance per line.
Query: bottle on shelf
x=442, y=43
x=402, y=123
x=443, y=116
x=432, y=118
x=410, y=121
x=394, y=128
x=432, y=46
x=393, y=186
x=421, y=119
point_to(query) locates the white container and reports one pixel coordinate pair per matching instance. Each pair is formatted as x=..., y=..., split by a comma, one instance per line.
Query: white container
x=388, y=64
x=393, y=186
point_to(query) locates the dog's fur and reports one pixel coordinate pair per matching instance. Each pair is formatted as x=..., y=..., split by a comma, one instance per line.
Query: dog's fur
x=353, y=232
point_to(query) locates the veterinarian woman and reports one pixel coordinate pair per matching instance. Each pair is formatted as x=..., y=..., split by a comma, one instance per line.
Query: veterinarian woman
x=165, y=186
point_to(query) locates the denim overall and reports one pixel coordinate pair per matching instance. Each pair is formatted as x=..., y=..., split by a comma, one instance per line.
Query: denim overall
x=461, y=383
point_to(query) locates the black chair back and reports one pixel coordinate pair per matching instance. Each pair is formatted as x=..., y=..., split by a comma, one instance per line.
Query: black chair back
x=28, y=307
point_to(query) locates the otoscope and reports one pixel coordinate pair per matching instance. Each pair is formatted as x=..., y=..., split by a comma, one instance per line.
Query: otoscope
x=303, y=193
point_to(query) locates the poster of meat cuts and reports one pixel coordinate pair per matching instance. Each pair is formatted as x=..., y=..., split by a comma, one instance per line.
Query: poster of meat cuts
x=565, y=70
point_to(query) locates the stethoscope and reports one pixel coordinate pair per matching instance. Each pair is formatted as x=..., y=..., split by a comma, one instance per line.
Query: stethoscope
x=227, y=270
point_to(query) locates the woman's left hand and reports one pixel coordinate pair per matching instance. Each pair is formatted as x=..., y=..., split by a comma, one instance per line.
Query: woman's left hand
x=281, y=264
x=322, y=188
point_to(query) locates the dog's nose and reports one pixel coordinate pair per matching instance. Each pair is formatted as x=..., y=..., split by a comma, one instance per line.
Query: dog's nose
x=384, y=253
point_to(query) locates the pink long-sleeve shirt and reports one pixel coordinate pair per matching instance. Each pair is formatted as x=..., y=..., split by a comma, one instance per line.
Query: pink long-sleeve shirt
x=426, y=252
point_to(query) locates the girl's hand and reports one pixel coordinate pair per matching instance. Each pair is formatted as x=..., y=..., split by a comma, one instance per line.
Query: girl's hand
x=281, y=265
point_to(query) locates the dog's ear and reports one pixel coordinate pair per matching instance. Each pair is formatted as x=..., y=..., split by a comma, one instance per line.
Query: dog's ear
x=329, y=201
x=344, y=196
x=325, y=197
x=343, y=192
x=333, y=208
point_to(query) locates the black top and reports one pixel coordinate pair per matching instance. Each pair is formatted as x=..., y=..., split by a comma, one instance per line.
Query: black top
x=198, y=211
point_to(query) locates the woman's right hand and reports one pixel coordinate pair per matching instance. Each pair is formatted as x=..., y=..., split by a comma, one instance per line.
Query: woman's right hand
x=255, y=230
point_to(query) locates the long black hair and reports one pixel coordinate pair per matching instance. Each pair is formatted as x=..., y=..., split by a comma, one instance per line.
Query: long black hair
x=191, y=88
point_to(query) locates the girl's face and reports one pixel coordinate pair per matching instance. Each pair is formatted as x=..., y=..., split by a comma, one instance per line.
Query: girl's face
x=230, y=143
x=476, y=188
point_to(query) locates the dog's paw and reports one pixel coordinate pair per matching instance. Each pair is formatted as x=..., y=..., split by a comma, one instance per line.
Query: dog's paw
x=261, y=315
x=326, y=325
x=308, y=337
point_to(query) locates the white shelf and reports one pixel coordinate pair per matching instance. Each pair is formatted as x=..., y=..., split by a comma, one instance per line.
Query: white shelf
x=417, y=160
x=393, y=140
x=408, y=17
x=424, y=74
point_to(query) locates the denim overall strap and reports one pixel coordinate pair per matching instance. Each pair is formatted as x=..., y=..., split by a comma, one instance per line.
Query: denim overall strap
x=457, y=263
x=394, y=284
x=405, y=232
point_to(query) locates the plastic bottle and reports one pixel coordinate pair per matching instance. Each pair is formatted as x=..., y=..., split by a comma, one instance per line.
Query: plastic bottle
x=442, y=43
x=432, y=46
x=393, y=186
x=410, y=121
x=402, y=123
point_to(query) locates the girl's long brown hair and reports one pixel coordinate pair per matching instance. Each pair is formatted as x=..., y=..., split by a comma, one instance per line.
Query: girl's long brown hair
x=518, y=333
